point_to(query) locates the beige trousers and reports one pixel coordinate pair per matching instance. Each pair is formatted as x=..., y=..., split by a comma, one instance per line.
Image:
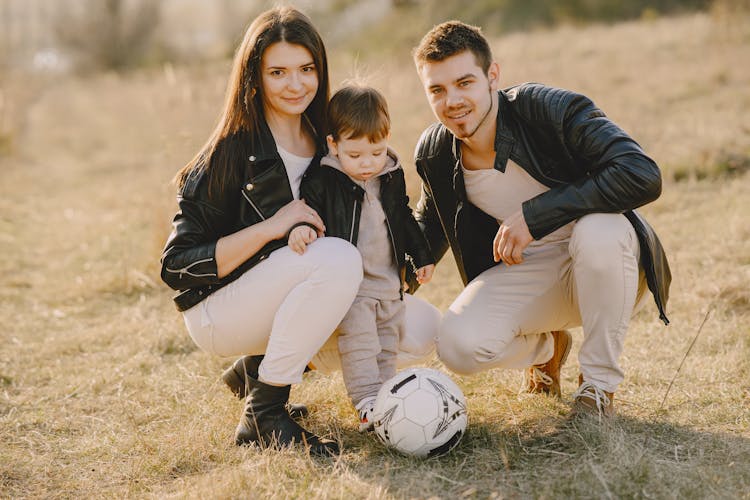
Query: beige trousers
x=285, y=307
x=415, y=346
x=502, y=317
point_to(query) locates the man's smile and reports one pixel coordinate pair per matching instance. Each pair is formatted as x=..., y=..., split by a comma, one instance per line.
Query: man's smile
x=457, y=115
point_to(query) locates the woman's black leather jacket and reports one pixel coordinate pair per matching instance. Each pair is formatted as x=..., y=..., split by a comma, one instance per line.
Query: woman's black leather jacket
x=188, y=262
x=565, y=142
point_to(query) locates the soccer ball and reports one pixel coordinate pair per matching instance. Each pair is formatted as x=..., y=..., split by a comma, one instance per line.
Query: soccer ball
x=420, y=412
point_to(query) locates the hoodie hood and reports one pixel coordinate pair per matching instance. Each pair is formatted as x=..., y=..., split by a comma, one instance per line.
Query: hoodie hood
x=392, y=163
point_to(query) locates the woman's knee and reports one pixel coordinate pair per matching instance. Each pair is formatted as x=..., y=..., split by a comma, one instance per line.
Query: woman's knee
x=337, y=252
x=337, y=257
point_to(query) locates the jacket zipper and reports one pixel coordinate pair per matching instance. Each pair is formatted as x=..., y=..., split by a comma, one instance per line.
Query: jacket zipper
x=184, y=270
x=395, y=255
x=393, y=242
x=253, y=205
x=354, y=219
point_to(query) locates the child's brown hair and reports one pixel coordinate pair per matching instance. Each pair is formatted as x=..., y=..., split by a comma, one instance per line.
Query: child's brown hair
x=358, y=111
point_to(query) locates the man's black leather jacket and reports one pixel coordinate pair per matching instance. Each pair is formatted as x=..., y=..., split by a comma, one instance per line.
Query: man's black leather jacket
x=188, y=262
x=565, y=142
x=338, y=201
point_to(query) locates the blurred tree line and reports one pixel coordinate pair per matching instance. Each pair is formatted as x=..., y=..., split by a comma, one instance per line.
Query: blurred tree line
x=118, y=34
x=408, y=20
x=509, y=15
x=109, y=34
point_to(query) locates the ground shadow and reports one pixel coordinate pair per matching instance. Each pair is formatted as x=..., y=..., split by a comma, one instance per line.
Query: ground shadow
x=571, y=458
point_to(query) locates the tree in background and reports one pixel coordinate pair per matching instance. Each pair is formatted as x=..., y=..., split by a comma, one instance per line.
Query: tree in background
x=109, y=34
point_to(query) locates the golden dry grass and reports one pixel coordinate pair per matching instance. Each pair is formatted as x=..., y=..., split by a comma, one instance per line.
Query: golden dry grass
x=103, y=394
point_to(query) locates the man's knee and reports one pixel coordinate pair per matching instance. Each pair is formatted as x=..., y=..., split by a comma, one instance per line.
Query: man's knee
x=456, y=349
x=599, y=241
x=421, y=325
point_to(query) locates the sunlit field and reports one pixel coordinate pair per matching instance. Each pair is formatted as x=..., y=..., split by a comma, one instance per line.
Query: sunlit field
x=103, y=394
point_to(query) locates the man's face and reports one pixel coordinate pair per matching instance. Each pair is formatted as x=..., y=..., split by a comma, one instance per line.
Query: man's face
x=459, y=92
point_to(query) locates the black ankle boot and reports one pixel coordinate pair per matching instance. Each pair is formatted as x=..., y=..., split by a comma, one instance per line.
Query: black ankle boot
x=235, y=375
x=266, y=422
x=236, y=378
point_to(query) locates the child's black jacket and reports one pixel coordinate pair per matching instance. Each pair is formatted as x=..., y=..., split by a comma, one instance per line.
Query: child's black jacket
x=338, y=201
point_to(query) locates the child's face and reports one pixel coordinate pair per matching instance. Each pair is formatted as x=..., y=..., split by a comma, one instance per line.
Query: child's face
x=360, y=159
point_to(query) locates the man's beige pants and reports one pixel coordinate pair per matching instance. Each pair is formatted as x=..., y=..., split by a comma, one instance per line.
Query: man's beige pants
x=502, y=317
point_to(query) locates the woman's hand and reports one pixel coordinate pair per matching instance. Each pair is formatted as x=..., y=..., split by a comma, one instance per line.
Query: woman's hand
x=234, y=249
x=300, y=237
x=293, y=213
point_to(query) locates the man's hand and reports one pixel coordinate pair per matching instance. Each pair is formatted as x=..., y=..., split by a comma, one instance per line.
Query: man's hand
x=511, y=240
x=300, y=237
x=424, y=274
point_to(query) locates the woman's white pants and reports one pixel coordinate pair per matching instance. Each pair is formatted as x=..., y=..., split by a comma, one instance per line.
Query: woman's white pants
x=287, y=307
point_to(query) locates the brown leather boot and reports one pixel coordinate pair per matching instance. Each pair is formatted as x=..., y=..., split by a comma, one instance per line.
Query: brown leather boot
x=266, y=422
x=591, y=400
x=245, y=369
x=545, y=378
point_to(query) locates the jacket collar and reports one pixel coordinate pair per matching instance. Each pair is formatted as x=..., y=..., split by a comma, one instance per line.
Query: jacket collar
x=392, y=164
x=264, y=146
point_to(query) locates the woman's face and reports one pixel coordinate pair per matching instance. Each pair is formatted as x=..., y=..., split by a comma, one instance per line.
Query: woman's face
x=289, y=78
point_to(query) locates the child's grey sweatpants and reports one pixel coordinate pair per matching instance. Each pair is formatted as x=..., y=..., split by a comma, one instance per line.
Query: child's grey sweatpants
x=368, y=344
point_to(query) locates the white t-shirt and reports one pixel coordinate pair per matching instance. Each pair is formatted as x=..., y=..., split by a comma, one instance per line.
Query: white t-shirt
x=500, y=194
x=295, y=168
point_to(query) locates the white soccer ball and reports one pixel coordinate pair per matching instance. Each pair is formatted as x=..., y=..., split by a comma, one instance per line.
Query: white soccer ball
x=420, y=412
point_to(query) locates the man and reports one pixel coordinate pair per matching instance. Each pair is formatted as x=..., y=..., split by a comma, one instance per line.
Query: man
x=533, y=189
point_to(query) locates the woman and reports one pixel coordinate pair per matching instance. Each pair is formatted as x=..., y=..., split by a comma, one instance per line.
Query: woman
x=242, y=290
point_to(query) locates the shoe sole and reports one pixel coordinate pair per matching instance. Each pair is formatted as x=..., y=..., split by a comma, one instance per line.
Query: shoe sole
x=569, y=338
x=234, y=381
x=328, y=449
x=584, y=410
x=564, y=358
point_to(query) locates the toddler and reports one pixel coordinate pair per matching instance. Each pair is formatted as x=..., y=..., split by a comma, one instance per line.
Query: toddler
x=359, y=191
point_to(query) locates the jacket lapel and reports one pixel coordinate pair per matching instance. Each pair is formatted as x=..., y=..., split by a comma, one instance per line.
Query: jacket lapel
x=503, y=136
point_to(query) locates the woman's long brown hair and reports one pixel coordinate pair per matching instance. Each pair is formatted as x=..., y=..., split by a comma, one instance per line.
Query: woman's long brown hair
x=243, y=106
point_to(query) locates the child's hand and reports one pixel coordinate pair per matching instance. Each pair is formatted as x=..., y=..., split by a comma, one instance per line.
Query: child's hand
x=300, y=237
x=424, y=274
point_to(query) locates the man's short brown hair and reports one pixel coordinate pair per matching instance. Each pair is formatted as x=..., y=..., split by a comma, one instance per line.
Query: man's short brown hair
x=451, y=38
x=358, y=111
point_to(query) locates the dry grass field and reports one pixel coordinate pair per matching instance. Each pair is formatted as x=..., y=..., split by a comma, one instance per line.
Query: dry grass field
x=102, y=393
